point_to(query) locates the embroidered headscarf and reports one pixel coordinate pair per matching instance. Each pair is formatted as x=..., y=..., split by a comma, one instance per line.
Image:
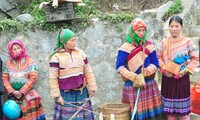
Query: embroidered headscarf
x=132, y=36
x=23, y=50
x=63, y=36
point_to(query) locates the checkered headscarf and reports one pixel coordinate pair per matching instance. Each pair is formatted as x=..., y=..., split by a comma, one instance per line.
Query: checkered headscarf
x=132, y=36
x=138, y=22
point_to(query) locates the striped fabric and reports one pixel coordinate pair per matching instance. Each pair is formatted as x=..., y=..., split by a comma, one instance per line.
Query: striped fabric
x=22, y=76
x=149, y=103
x=67, y=111
x=129, y=62
x=178, y=48
x=133, y=61
x=176, y=93
x=68, y=71
x=30, y=111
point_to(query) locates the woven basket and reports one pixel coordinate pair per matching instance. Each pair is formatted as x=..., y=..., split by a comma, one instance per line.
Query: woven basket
x=121, y=111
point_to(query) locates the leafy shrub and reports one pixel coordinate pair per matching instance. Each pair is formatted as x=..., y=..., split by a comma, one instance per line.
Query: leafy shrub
x=12, y=25
x=176, y=8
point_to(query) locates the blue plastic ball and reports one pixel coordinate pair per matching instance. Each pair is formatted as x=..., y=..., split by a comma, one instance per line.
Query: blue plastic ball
x=11, y=109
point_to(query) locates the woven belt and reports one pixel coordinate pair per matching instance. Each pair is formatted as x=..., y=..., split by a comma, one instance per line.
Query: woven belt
x=151, y=76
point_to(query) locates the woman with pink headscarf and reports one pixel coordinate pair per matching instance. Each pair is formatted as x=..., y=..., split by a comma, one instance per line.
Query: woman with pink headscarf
x=19, y=77
x=130, y=59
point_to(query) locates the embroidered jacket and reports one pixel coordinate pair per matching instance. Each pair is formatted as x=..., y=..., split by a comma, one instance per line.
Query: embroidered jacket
x=70, y=71
x=129, y=60
x=21, y=75
x=180, y=48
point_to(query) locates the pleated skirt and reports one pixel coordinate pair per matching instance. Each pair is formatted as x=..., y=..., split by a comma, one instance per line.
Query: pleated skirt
x=30, y=111
x=73, y=100
x=149, y=103
x=176, y=95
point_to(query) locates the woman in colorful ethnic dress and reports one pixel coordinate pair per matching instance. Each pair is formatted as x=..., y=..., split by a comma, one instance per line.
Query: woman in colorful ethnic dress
x=19, y=77
x=175, y=89
x=72, y=80
x=129, y=64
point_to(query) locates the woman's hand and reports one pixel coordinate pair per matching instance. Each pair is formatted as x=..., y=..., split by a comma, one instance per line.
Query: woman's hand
x=17, y=94
x=168, y=74
x=91, y=93
x=60, y=100
x=182, y=73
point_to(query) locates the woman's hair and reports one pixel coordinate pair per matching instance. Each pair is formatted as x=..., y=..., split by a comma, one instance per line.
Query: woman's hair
x=176, y=19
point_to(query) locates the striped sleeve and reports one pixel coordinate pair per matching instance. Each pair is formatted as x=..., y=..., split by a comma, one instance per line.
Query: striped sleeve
x=194, y=57
x=6, y=83
x=153, y=66
x=53, y=76
x=121, y=66
x=121, y=63
x=89, y=75
x=160, y=52
x=33, y=77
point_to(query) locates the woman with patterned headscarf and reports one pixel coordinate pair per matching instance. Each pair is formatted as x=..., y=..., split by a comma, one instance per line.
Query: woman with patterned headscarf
x=130, y=59
x=19, y=77
x=72, y=81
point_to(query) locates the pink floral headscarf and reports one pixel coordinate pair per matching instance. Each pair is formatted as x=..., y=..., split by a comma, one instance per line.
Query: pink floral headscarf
x=23, y=52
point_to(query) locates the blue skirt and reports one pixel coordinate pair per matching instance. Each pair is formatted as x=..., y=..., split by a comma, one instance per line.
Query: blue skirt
x=72, y=99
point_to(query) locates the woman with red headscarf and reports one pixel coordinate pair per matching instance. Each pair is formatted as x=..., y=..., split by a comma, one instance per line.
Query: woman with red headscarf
x=130, y=59
x=19, y=77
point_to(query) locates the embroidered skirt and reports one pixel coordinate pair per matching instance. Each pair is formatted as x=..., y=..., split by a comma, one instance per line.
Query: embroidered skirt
x=176, y=95
x=30, y=111
x=72, y=99
x=149, y=103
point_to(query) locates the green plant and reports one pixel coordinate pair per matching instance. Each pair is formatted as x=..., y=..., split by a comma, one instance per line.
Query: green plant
x=83, y=14
x=176, y=8
x=12, y=25
x=90, y=8
x=118, y=28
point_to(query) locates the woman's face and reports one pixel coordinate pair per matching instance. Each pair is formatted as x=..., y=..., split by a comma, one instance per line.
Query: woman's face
x=71, y=44
x=140, y=31
x=175, y=28
x=16, y=49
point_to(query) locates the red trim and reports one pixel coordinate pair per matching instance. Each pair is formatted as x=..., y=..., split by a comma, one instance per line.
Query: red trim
x=136, y=51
